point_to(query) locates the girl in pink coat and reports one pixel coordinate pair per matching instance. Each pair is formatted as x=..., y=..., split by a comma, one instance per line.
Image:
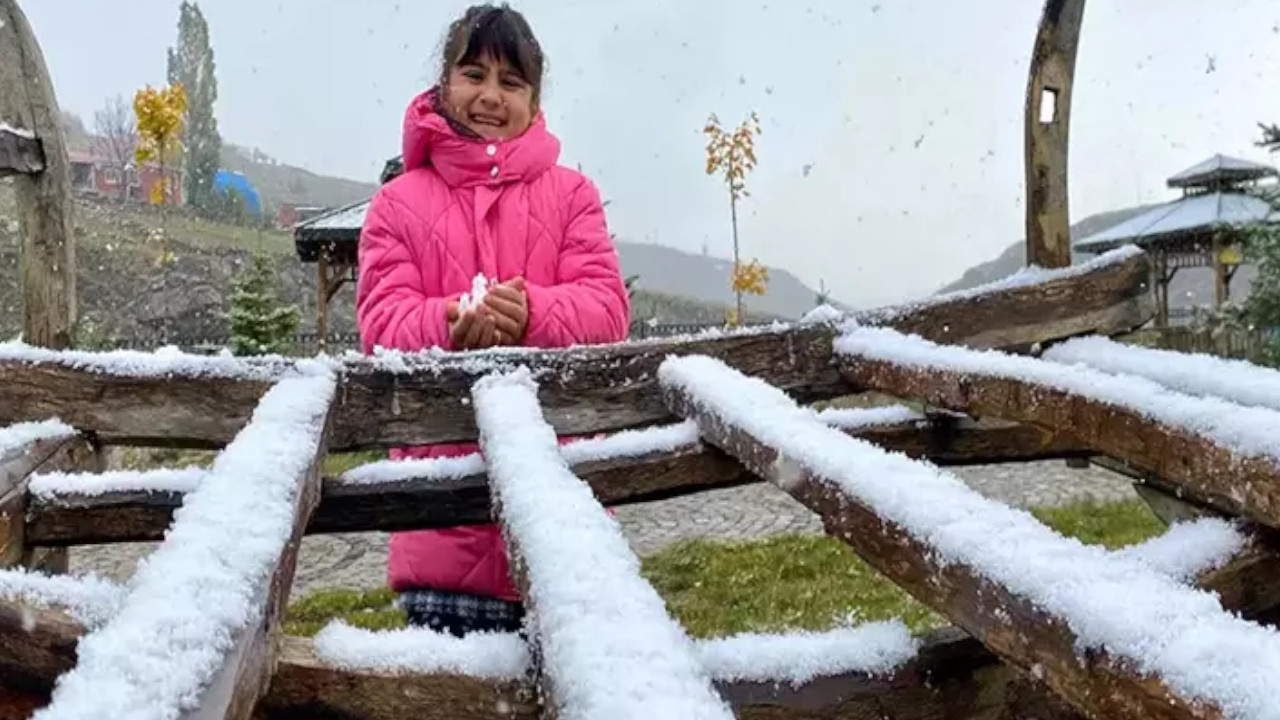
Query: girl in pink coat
x=481, y=193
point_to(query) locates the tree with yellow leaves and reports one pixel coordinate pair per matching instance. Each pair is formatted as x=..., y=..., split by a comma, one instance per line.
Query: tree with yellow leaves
x=160, y=121
x=733, y=155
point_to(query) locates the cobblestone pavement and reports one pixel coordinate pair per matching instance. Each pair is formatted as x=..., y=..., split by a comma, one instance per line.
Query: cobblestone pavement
x=359, y=560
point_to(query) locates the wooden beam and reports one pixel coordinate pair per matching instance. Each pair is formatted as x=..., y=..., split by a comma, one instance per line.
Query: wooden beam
x=50, y=447
x=223, y=574
x=434, y=502
x=423, y=399
x=607, y=648
x=36, y=646
x=756, y=426
x=306, y=687
x=20, y=153
x=47, y=258
x=1047, y=125
x=952, y=678
x=1209, y=470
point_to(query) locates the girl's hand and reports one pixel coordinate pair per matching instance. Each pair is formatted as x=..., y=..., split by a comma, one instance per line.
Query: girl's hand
x=508, y=305
x=471, y=330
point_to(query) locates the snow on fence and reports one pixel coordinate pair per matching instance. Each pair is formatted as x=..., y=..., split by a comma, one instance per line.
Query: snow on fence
x=195, y=633
x=1222, y=452
x=999, y=567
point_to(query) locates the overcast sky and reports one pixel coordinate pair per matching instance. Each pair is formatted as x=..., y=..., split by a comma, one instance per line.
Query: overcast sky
x=907, y=113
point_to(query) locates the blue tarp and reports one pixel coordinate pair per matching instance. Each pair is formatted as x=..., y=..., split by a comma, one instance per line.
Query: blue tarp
x=226, y=179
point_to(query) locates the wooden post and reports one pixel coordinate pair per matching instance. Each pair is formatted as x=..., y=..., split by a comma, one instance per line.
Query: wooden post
x=322, y=299
x=47, y=255
x=1048, y=122
x=1220, y=279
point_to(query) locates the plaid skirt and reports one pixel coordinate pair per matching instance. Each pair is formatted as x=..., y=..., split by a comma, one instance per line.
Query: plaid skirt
x=459, y=613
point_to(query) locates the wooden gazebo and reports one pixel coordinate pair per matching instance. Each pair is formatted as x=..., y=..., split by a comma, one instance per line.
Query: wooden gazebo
x=332, y=241
x=1221, y=199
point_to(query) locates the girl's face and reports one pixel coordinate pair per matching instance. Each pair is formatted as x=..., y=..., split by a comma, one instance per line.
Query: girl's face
x=490, y=98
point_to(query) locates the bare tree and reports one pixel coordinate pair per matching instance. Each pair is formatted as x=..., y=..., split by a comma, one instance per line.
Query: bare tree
x=117, y=136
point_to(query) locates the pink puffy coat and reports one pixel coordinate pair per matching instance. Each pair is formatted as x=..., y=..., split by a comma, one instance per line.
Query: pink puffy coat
x=465, y=206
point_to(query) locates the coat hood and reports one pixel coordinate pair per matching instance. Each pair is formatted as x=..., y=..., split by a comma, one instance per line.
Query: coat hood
x=430, y=139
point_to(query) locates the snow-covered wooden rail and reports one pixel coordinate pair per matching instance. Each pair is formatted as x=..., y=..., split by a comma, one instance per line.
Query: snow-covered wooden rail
x=394, y=399
x=195, y=633
x=630, y=466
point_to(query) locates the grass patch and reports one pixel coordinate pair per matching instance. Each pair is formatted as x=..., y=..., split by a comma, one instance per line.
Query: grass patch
x=335, y=465
x=371, y=609
x=784, y=583
x=1112, y=525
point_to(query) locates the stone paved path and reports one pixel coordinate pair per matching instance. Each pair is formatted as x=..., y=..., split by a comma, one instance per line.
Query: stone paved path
x=359, y=560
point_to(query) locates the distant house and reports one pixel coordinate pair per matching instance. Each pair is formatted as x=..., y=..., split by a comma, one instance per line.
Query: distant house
x=290, y=214
x=93, y=173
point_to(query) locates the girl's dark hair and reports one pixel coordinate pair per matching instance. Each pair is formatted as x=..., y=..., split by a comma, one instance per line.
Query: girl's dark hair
x=499, y=32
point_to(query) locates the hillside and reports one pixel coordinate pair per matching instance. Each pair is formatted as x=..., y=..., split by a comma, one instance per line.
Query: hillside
x=279, y=183
x=125, y=293
x=705, y=279
x=1014, y=257
x=678, y=286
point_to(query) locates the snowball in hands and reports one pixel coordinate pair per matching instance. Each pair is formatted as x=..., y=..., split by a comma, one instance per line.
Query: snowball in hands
x=474, y=299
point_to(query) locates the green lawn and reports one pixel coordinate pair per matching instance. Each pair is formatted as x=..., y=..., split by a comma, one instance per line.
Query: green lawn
x=788, y=582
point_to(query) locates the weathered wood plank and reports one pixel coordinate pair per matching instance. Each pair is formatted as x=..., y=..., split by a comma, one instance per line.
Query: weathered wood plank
x=239, y=534
x=36, y=646
x=245, y=676
x=953, y=677
x=425, y=400
x=1047, y=130
x=426, y=503
x=607, y=648
x=53, y=451
x=1204, y=469
x=47, y=257
x=20, y=154
x=1008, y=623
x=305, y=687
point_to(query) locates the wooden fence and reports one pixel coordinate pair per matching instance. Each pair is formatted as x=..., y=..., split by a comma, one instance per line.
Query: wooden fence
x=308, y=344
x=1235, y=343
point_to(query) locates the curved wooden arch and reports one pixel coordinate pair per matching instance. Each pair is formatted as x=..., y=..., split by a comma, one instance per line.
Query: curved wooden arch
x=35, y=153
x=1047, y=130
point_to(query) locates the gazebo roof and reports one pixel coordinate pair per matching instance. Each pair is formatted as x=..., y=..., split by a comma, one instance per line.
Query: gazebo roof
x=1182, y=218
x=1221, y=170
x=337, y=232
